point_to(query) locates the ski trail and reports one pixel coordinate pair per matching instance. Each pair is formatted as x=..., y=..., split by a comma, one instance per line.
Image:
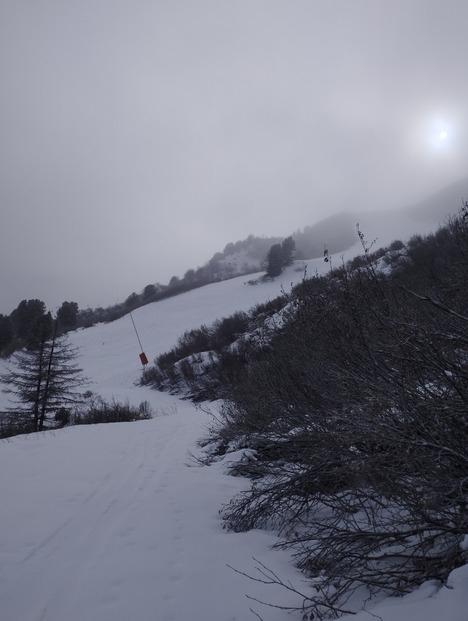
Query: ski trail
x=121, y=524
x=118, y=518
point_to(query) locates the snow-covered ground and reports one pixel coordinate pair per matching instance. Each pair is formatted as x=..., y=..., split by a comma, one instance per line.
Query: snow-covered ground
x=119, y=522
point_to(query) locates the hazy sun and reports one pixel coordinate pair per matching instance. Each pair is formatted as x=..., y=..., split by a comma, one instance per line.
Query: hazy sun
x=439, y=135
x=435, y=136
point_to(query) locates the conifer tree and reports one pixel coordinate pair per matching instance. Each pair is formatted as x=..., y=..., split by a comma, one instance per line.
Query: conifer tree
x=44, y=382
x=275, y=261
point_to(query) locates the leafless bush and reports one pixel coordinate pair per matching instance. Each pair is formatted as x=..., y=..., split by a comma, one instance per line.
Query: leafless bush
x=358, y=413
x=100, y=411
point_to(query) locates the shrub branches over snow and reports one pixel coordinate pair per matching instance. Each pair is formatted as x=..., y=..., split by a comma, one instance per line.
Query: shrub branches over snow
x=205, y=361
x=355, y=412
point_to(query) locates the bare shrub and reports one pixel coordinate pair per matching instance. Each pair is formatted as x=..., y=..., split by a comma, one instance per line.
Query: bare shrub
x=357, y=412
x=101, y=411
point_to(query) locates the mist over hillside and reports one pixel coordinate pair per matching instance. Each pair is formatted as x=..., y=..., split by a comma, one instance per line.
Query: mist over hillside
x=338, y=232
x=334, y=235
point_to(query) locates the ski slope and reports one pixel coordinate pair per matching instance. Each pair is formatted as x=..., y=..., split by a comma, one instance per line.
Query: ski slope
x=110, y=353
x=119, y=522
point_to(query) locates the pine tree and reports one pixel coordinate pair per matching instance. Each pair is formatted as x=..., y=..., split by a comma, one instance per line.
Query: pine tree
x=28, y=321
x=6, y=332
x=288, y=247
x=275, y=261
x=44, y=383
x=67, y=316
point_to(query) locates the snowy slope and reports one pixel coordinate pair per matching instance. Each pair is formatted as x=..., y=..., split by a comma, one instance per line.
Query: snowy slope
x=115, y=523
x=118, y=522
x=110, y=352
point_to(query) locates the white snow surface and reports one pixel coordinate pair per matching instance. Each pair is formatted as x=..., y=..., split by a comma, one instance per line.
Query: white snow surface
x=119, y=522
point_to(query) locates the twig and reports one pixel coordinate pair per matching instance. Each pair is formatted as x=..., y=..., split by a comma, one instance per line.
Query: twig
x=427, y=298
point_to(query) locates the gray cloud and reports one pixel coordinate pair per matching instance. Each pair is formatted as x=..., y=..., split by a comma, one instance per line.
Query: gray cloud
x=138, y=138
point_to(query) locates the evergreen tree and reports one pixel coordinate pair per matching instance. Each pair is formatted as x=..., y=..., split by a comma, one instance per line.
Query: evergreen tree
x=288, y=247
x=279, y=256
x=41, y=328
x=44, y=383
x=275, y=260
x=6, y=332
x=132, y=301
x=29, y=320
x=149, y=291
x=67, y=316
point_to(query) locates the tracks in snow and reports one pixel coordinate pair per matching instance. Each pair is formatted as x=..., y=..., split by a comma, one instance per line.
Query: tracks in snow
x=116, y=533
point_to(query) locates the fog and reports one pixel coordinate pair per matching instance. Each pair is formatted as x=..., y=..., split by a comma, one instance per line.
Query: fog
x=139, y=137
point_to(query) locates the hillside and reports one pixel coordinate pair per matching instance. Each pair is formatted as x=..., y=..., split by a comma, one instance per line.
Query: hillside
x=338, y=234
x=116, y=522
x=351, y=403
x=111, y=522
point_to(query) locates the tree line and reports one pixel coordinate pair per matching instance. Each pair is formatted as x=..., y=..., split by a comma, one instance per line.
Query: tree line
x=28, y=323
x=24, y=326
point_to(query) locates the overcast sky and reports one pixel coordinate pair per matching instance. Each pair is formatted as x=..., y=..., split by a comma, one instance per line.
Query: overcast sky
x=139, y=137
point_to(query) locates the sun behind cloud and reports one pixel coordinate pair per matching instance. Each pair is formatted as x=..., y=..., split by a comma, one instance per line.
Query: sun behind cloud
x=439, y=134
x=436, y=138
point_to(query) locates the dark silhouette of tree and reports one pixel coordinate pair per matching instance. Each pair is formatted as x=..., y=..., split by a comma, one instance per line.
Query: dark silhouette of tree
x=67, y=316
x=275, y=261
x=279, y=256
x=149, y=292
x=40, y=327
x=29, y=320
x=6, y=332
x=132, y=301
x=288, y=247
x=44, y=383
x=189, y=276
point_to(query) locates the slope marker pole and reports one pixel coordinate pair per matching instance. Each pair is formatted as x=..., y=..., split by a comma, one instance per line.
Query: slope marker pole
x=143, y=358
